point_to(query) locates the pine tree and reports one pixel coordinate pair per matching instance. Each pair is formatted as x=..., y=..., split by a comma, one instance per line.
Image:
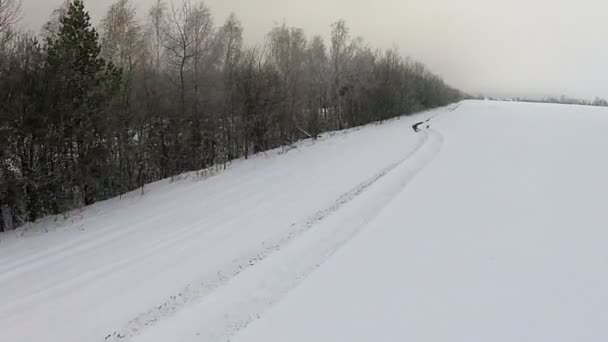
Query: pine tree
x=83, y=85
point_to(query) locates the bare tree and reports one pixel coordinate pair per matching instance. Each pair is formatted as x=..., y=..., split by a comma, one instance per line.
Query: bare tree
x=179, y=41
x=204, y=48
x=357, y=82
x=287, y=52
x=51, y=27
x=121, y=38
x=153, y=90
x=206, y=51
x=259, y=98
x=317, y=69
x=340, y=37
x=232, y=39
x=10, y=12
x=194, y=49
x=157, y=25
x=122, y=43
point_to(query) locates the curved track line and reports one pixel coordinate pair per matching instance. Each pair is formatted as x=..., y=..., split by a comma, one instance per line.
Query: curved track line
x=329, y=245
x=208, y=284
x=247, y=296
x=203, y=287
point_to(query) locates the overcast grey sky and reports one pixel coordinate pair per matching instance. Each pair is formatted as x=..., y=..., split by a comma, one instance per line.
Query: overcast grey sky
x=503, y=47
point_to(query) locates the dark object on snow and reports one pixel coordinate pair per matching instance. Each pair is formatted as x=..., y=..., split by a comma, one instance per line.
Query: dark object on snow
x=416, y=126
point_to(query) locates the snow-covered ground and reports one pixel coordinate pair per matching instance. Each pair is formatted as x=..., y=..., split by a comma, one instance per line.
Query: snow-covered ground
x=489, y=226
x=503, y=237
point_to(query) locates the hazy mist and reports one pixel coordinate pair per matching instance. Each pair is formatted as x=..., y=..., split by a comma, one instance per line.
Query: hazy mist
x=511, y=48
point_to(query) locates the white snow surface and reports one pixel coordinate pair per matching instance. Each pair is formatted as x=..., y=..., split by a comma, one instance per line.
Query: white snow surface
x=488, y=226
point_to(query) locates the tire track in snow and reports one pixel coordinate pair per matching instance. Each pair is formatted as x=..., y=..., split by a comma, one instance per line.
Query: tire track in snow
x=310, y=260
x=233, y=307
x=208, y=284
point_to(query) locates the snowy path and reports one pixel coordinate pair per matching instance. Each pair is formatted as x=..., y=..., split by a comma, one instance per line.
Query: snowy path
x=501, y=238
x=248, y=295
x=129, y=268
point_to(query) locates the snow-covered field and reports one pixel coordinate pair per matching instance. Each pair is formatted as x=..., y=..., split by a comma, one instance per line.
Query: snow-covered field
x=489, y=226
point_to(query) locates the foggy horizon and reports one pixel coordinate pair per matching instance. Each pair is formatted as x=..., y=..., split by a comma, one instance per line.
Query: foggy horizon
x=491, y=48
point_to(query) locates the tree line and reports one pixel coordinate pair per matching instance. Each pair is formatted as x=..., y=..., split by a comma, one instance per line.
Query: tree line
x=597, y=102
x=90, y=113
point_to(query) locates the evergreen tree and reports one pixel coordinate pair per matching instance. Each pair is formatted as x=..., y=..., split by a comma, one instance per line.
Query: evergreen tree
x=83, y=85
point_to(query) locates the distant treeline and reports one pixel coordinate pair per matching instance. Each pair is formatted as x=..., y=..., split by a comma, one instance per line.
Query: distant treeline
x=85, y=116
x=598, y=101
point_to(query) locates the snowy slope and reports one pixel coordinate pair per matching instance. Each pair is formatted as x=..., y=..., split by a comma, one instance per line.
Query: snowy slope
x=501, y=238
x=121, y=268
x=489, y=226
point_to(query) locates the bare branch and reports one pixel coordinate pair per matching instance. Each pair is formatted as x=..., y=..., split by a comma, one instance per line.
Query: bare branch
x=10, y=14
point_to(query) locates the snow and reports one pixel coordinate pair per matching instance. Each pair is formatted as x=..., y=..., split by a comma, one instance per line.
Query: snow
x=501, y=238
x=489, y=226
x=119, y=267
